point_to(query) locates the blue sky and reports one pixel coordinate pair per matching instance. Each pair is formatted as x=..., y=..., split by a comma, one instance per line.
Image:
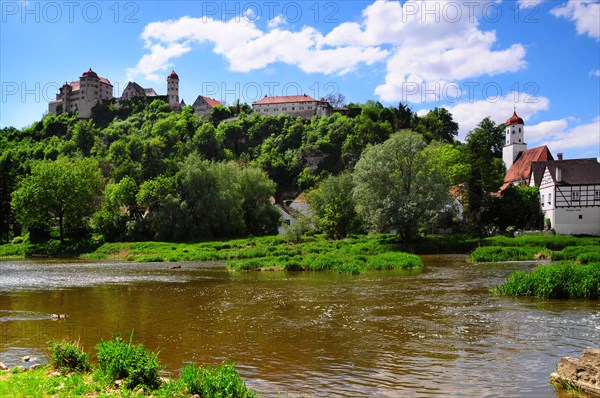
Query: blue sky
x=475, y=58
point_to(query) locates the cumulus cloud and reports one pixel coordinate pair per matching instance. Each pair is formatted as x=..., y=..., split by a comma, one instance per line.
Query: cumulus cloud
x=560, y=135
x=276, y=21
x=595, y=72
x=433, y=42
x=469, y=114
x=248, y=48
x=585, y=14
x=420, y=42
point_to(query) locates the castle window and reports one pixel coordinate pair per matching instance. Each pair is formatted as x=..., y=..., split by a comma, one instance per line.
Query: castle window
x=542, y=200
x=550, y=199
x=519, y=129
x=575, y=196
x=519, y=140
x=596, y=195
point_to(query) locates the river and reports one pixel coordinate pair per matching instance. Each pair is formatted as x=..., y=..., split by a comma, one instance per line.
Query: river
x=437, y=332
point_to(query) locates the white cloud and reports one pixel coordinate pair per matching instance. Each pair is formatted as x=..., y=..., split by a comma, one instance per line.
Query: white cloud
x=247, y=48
x=276, y=21
x=594, y=72
x=529, y=4
x=428, y=48
x=585, y=14
x=157, y=60
x=559, y=135
x=499, y=109
x=418, y=45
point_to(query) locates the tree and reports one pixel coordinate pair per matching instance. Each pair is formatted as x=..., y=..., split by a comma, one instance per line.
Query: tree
x=8, y=176
x=438, y=125
x=337, y=101
x=119, y=207
x=518, y=207
x=483, y=151
x=62, y=193
x=334, y=206
x=397, y=187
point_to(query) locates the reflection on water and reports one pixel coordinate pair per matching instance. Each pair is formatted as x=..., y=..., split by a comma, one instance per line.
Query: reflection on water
x=435, y=332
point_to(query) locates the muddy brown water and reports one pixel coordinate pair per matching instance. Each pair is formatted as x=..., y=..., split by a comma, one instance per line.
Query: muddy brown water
x=437, y=332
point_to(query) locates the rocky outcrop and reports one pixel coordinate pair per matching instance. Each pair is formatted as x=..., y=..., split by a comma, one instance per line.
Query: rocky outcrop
x=583, y=373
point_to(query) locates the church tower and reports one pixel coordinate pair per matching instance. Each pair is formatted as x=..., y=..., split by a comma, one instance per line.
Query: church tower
x=514, y=142
x=173, y=90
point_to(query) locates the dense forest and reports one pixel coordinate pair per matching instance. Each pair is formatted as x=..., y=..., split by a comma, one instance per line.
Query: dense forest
x=138, y=171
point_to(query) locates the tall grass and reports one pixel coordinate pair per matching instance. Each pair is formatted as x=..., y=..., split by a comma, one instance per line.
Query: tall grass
x=118, y=360
x=69, y=357
x=215, y=382
x=509, y=253
x=564, y=280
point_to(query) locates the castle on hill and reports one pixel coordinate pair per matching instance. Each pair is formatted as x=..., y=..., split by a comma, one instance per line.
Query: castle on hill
x=83, y=94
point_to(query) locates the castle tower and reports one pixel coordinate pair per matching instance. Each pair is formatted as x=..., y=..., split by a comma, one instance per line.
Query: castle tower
x=89, y=93
x=514, y=142
x=173, y=90
x=65, y=96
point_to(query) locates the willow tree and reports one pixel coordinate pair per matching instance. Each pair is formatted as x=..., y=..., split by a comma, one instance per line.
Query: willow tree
x=398, y=187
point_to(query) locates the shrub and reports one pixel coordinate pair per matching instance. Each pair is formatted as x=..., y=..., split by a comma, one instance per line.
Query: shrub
x=218, y=382
x=132, y=363
x=69, y=357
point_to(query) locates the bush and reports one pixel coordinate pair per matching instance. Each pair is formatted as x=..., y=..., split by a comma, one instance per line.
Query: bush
x=69, y=357
x=118, y=360
x=218, y=382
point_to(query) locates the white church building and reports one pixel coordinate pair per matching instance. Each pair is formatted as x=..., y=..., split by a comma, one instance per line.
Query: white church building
x=569, y=189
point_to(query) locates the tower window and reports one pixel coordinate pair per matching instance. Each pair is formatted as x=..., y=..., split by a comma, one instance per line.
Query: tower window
x=519, y=129
x=519, y=140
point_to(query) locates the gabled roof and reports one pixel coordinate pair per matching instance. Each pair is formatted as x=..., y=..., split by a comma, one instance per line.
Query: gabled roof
x=521, y=168
x=150, y=92
x=284, y=99
x=537, y=172
x=135, y=86
x=211, y=102
x=575, y=171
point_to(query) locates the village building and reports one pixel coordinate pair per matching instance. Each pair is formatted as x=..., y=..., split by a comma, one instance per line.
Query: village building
x=203, y=105
x=294, y=105
x=134, y=90
x=569, y=189
x=82, y=95
x=570, y=194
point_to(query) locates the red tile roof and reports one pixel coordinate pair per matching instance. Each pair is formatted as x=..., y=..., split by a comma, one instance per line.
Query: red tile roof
x=521, y=168
x=514, y=119
x=105, y=81
x=211, y=102
x=283, y=99
x=173, y=75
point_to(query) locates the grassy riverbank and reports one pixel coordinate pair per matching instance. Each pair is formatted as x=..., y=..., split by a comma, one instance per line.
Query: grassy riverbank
x=532, y=247
x=122, y=370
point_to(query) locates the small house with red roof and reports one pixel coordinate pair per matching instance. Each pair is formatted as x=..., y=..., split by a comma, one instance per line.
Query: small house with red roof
x=203, y=105
x=294, y=105
x=569, y=189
